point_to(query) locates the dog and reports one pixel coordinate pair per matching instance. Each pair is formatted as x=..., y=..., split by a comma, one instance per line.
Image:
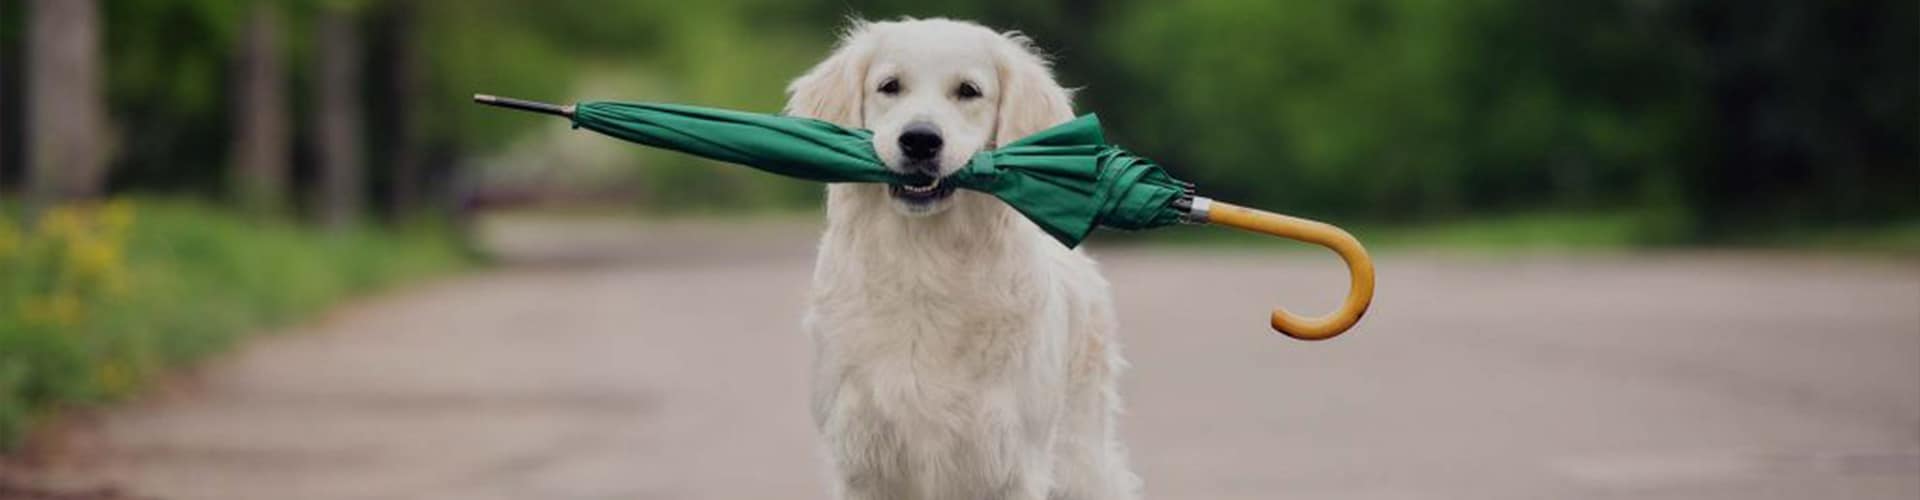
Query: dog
x=960, y=352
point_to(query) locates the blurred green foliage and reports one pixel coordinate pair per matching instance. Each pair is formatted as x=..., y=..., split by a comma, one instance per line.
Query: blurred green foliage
x=1695, y=120
x=1716, y=118
x=1404, y=109
x=95, y=299
x=1600, y=123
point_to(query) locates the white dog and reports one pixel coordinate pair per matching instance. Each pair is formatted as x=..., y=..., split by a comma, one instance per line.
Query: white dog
x=961, y=353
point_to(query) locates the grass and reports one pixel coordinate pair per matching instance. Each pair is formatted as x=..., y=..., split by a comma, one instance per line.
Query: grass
x=97, y=300
x=1899, y=237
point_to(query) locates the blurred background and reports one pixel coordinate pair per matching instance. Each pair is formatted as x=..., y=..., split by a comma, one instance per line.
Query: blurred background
x=1678, y=194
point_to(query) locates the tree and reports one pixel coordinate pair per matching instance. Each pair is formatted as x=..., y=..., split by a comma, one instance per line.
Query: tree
x=402, y=79
x=338, y=118
x=260, y=136
x=66, y=124
x=6, y=93
x=1814, y=109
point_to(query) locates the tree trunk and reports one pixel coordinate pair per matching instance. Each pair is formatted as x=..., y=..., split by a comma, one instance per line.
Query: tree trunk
x=404, y=87
x=12, y=63
x=340, y=123
x=260, y=135
x=6, y=120
x=65, y=130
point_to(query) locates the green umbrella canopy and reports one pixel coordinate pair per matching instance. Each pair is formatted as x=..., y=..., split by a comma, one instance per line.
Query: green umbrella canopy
x=1066, y=179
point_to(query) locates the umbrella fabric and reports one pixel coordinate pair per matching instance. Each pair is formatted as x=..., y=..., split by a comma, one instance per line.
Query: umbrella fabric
x=1066, y=179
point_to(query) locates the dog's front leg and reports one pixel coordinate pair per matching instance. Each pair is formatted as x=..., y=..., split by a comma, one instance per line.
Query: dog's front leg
x=1026, y=487
x=1032, y=479
x=867, y=458
x=1027, y=461
x=863, y=471
x=861, y=486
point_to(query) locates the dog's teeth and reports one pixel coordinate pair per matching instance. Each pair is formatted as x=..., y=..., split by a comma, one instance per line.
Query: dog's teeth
x=921, y=189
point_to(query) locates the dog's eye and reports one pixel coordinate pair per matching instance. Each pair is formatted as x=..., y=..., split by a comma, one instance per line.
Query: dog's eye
x=966, y=92
x=890, y=87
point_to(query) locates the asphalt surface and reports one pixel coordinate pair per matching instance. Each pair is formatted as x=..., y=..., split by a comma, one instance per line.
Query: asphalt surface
x=665, y=363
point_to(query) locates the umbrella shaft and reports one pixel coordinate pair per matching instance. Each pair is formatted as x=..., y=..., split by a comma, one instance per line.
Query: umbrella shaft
x=524, y=105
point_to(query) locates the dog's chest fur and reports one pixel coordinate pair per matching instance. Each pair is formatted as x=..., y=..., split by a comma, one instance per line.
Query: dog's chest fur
x=941, y=351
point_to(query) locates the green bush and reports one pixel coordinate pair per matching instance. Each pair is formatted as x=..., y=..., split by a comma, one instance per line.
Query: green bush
x=96, y=299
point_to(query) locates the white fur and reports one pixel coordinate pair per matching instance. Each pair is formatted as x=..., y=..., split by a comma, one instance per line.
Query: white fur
x=961, y=353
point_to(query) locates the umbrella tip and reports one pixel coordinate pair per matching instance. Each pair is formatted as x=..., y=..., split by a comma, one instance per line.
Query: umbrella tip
x=537, y=107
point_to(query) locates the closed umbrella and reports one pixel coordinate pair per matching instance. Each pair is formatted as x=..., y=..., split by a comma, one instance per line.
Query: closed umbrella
x=1066, y=179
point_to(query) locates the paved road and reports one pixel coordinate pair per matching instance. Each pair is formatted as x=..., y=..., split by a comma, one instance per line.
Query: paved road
x=679, y=375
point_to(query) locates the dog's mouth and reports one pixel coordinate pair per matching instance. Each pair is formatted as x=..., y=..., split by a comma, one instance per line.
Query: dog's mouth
x=920, y=189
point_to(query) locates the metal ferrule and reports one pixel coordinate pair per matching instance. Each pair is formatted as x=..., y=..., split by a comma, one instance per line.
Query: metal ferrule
x=1199, y=210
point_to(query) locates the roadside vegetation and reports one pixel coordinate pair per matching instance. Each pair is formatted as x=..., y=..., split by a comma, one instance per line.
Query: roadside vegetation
x=98, y=299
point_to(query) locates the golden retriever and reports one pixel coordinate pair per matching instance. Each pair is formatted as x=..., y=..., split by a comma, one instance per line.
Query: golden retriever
x=960, y=353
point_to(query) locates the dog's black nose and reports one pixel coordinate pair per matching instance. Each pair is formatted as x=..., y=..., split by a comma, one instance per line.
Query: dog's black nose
x=920, y=141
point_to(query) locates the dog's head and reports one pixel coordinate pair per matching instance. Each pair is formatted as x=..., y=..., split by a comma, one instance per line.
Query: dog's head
x=934, y=92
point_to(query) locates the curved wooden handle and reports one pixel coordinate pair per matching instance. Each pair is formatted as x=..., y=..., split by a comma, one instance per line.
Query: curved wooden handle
x=1359, y=265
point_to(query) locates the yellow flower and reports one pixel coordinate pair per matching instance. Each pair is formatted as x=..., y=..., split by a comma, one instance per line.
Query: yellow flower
x=92, y=258
x=116, y=216
x=9, y=238
x=63, y=223
x=114, y=377
x=58, y=310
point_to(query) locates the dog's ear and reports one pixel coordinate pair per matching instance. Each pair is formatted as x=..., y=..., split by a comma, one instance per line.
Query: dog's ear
x=1030, y=100
x=832, y=90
